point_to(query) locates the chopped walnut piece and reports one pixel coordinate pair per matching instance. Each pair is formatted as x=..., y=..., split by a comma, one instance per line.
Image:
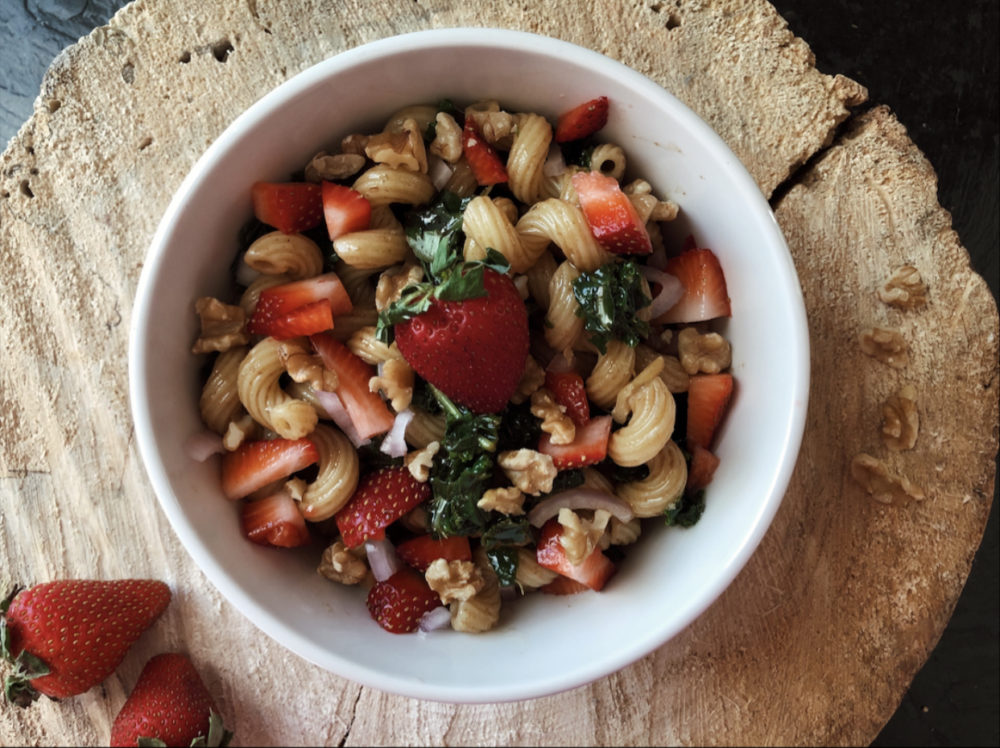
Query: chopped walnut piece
x=454, y=580
x=392, y=282
x=324, y=166
x=401, y=150
x=650, y=207
x=419, y=462
x=396, y=381
x=555, y=422
x=496, y=126
x=900, y=420
x=509, y=500
x=886, y=345
x=529, y=470
x=338, y=564
x=447, y=141
x=296, y=488
x=239, y=431
x=354, y=143
x=623, y=533
x=905, y=289
x=532, y=378
x=579, y=537
x=707, y=353
x=222, y=326
x=305, y=367
x=885, y=487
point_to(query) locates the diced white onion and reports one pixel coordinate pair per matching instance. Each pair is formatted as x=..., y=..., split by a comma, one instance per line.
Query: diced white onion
x=439, y=171
x=435, y=618
x=334, y=408
x=245, y=275
x=554, y=164
x=671, y=290
x=203, y=444
x=394, y=443
x=578, y=498
x=382, y=559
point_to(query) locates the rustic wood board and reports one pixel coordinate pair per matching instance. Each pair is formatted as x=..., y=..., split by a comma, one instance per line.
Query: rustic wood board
x=817, y=639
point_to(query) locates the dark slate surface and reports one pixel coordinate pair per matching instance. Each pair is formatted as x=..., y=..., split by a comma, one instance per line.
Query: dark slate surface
x=936, y=65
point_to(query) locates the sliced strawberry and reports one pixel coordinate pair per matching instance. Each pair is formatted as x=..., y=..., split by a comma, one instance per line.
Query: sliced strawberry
x=275, y=520
x=302, y=307
x=483, y=159
x=582, y=120
x=254, y=464
x=398, y=603
x=588, y=448
x=290, y=207
x=368, y=411
x=421, y=551
x=569, y=390
x=707, y=400
x=345, y=210
x=563, y=586
x=379, y=500
x=612, y=217
x=705, y=295
x=594, y=571
x=702, y=466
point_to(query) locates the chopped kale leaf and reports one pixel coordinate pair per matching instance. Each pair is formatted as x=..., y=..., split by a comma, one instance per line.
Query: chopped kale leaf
x=504, y=562
x=687, y=510
x=608, y=299
x=519, y=428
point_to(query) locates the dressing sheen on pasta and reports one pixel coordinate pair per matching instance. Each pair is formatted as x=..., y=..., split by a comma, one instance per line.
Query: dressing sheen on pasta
x=345, y=441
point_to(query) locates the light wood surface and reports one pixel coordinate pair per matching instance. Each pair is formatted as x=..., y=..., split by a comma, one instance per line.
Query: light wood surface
x=816, y=640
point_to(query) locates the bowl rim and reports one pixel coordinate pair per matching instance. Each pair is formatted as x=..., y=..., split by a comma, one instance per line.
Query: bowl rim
x=201, y=554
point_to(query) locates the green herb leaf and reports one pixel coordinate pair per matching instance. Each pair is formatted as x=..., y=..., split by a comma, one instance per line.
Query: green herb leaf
x=504, y=563
x=687, y=510
x=608, y=299
x=433, y=232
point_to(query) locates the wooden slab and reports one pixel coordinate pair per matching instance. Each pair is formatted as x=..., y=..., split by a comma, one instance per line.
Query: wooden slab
x=817, y=639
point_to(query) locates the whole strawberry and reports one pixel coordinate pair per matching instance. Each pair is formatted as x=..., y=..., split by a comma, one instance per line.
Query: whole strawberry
x=169, y=706
x=67, y=636
x=472, y=350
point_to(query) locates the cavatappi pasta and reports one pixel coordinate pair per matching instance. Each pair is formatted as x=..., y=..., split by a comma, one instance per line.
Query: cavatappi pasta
x=605, y=431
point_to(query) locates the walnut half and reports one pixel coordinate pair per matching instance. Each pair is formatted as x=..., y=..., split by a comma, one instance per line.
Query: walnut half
x=885, y=487
x=223, y=326
x=900, y=420
x=528, y=470
x=707, y=353
x=886, y=345
x=905, y=289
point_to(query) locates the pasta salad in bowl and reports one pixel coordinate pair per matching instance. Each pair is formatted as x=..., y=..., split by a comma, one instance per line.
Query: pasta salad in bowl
x=476, y=370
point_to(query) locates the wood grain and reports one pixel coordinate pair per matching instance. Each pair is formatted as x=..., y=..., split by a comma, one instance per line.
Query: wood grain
x=815, y=641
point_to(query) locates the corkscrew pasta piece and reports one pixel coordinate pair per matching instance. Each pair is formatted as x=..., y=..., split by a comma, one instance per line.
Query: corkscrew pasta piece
x=384, y=185
x=481, y=611
x=539, y=276
x=337, y=477
x=487, y=224
x=260, y=392
x=653, y=411
x=530, y=574
x=614, y=369
x=372, y=248
x=220, y=400
x=660, y=490
x=294, y=255
x=609, y=159
x=365, y=345
x=562, y=325
x=421, y=114
x=564, y=225
x=527, y=157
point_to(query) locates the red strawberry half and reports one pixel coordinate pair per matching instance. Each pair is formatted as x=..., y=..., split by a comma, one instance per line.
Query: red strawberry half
x=570, y=391
x=301, y=307
x=254, y=464
x=274, y=520
x=708, y=398
x=290, y=207
x=582, y=120
x=472, y=350
x=705, y=295
x=398, y=603
x=483, y=159
x=594, y=571
x=423, y=550
x=588, y=448
x=380, y=499
x=169, y=704
x=612, y=218
x=345, y=210
x=67, y=636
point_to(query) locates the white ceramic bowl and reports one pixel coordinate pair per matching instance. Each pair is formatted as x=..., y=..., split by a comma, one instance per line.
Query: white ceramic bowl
x=544, y=644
